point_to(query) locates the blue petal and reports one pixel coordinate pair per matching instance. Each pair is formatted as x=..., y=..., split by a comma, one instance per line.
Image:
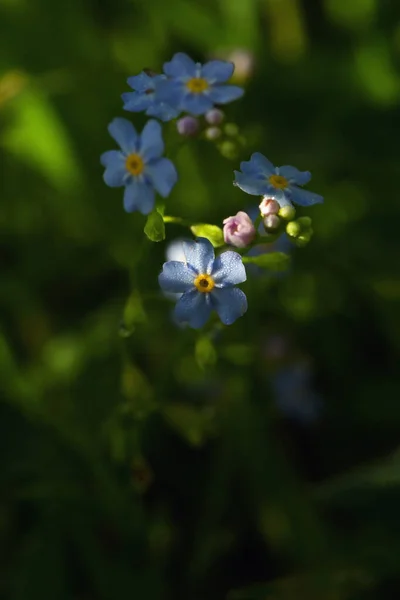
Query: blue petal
x=199, y=255
x=124, y=133
x=196, y=104
x=304, y=197
x=230, y=304
x=217, y=71
x=176, y=277
x=228, y=269
x=115, y=172
x=170, y=92
x=136, y=101
x=193, y=308
x=163, y=175
x=221, y=94
x=174, y=251
x=250, y=185
x=282, y=197
x=181, y=65
x=260, y=164
x=293, y=175
x=141, y=82
x=151, y=142
x=138, y=196
x=162, y=111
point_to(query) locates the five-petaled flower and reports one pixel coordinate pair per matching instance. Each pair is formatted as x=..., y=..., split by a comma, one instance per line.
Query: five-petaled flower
x=260, y=177
x=206, y=283
x=139, y=165
x=144, y=98
x=195, y=88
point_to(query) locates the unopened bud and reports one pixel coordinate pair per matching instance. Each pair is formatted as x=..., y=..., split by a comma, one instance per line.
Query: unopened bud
x=305, y=222
x=269, y=206
x=231, y=129
x=303, y=239
x=293, y=229
x=271, y=222
x=215, y=116
x=287, y=212
x=188, y=126
x=229, y=149
x=213, y=133
x=239, y=230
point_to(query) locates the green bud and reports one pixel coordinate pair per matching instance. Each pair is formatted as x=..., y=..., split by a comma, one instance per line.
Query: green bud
x=293, y=229
x=231, y=129
x=229, y=149
x=303, y=239
x=287, y=212
x=305, y=222
x=213, y=133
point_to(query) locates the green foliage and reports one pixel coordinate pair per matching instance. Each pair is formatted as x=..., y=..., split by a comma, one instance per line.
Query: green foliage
x=210, y=232
x=155, y=228
x=140, y=459
x=274, y=261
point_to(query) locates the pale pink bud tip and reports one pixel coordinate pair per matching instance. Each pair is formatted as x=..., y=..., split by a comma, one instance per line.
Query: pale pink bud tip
x=215, y=116
x=271, y=222
x=269, y=206
x=239, y=230
x=188, y=126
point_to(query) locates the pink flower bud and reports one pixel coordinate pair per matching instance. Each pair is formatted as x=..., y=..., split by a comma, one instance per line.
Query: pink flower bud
x=239, y=230
x=214, y=116
x=269, y=206
x=188, y=126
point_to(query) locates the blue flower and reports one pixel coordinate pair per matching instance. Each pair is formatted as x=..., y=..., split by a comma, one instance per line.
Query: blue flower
x=195, y=88
x=139, y=165
x=206, y=283
x=144, y=98
x=261, y=178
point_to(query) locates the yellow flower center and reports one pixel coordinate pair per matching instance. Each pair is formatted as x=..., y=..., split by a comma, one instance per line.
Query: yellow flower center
x=278, y=181
x=197, y=85
x=134, y=164
x=204, y=283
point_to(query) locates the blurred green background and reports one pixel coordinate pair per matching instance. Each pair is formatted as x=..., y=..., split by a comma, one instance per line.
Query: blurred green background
x=143, y=460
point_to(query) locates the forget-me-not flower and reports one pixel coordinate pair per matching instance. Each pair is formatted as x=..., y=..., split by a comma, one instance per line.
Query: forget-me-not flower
x=206, y=283
x=144, y=97
x=195, y=88
x=260, y=177
x=139, y=165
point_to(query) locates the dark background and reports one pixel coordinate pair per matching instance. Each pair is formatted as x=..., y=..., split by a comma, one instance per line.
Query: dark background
x=145, y=460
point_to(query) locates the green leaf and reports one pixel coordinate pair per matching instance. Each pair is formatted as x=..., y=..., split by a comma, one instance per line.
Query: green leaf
x=210, y=232
x=134, y=314
x=205, y=353
x=155, y=228
x=275, y=261
x=193, y=424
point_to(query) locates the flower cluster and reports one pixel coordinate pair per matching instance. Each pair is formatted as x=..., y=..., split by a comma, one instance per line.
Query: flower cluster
x=199, y=280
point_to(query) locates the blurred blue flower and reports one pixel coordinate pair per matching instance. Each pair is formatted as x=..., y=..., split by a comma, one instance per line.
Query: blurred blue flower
x=144, y=98
x=259, y=177
x=206, y=283
x=139, y=165
x=195, y=88
x=291, y=386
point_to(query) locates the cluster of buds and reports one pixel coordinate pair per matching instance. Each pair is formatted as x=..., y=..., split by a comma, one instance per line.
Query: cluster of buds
x=300, y=231
x=240, y=231
x=212, y=128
